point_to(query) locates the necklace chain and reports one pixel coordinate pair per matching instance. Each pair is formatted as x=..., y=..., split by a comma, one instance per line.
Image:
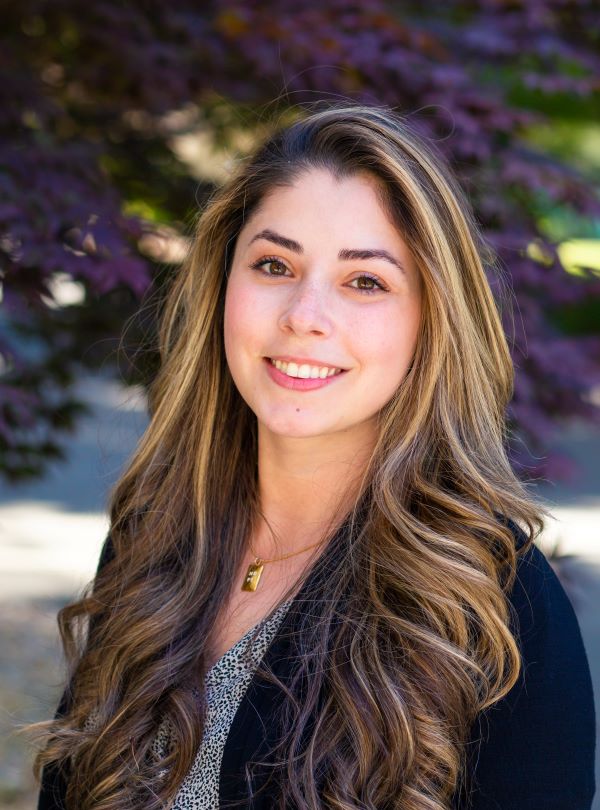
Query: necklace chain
x=285, y=556
x=255, y=569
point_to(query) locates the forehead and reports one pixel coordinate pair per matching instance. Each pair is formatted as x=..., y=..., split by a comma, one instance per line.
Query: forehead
x=322, y=204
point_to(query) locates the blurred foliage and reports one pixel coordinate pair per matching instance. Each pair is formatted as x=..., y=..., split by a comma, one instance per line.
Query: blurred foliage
x=116, y=121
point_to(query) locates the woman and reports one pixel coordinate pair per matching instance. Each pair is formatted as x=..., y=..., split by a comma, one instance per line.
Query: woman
x=320, y=587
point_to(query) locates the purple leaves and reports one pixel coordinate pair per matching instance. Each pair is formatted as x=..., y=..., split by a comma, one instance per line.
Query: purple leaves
x=83, y=92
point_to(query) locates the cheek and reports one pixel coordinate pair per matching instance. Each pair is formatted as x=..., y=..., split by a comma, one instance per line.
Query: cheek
x=233, y=322
x=387, y=343
x=237, y=307
x=242, y=318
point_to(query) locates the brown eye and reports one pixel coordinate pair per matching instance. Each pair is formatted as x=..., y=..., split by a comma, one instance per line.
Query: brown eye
x=379, y=285
x=267, y=261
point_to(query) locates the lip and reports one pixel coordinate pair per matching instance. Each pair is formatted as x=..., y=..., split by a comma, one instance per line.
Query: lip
x=299, y=383
x=310, y=361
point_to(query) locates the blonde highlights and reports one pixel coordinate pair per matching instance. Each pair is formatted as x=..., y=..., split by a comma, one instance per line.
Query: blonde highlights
x=406, y=637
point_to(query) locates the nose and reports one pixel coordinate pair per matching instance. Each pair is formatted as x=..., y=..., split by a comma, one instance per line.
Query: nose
x=306, y=311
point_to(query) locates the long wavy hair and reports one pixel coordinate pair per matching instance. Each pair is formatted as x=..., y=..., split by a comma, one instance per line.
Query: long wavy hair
x=429, y=553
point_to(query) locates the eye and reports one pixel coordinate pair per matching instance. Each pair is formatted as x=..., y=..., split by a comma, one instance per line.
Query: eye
x=268, y=260
x=381, y=287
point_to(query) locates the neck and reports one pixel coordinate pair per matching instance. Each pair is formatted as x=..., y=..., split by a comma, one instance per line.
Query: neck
x=306, y=486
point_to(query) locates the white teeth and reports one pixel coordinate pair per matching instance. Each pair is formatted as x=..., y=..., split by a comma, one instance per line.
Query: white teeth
x=305, y=371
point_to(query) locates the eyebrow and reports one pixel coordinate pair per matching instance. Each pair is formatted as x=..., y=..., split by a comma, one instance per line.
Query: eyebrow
x=345, y=253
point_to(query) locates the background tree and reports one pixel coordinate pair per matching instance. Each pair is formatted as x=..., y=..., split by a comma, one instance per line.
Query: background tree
x=116, y=121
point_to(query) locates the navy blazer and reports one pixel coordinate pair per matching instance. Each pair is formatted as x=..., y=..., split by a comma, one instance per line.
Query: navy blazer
x=532, y=750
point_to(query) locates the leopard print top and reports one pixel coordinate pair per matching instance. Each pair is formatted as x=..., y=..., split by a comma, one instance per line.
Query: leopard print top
x=225, y=684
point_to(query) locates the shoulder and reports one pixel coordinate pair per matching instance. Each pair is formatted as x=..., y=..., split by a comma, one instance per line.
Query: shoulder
x=107, y=553
x=54, y=778
x=535, y=747
x=542, y=616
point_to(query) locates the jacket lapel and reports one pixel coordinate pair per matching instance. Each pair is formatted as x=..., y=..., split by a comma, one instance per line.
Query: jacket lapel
x=253, y=732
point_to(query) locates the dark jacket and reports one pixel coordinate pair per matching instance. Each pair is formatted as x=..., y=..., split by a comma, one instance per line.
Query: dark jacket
x=532, y=750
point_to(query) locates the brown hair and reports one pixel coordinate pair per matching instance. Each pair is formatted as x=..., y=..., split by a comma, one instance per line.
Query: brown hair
x=428, y=553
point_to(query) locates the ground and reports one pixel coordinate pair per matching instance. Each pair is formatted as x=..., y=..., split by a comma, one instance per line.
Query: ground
x=51, y=532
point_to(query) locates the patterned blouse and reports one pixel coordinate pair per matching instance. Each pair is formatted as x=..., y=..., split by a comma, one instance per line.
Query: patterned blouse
x=225, y=684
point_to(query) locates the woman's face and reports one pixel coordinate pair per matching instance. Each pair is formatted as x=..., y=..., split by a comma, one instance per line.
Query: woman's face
x=320, y=278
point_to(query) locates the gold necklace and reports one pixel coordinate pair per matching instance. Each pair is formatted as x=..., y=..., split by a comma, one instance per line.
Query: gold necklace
x=255, y=569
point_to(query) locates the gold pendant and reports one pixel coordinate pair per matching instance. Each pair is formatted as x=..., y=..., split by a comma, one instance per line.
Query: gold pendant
x=252, y=579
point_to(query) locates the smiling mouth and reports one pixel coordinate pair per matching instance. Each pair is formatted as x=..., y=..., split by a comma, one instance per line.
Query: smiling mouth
x=305, y=371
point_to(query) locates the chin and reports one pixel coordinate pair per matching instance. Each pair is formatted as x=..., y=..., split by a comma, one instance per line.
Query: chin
x=292, y=428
